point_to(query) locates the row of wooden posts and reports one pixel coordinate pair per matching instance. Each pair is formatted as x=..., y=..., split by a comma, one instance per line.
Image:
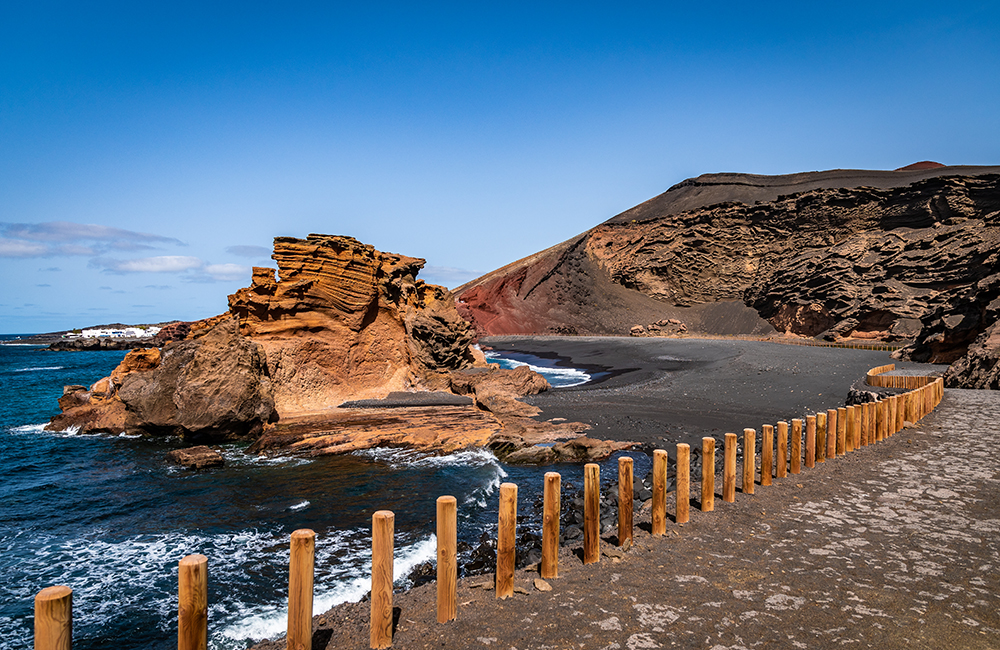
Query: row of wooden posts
x=827, y=435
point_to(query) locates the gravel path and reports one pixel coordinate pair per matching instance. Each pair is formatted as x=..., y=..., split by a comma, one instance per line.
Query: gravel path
x=895, y=545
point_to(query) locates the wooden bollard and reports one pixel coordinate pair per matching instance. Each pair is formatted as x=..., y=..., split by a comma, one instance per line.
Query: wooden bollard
x=766, y=453
x=841, y=431
x=506, y=534
x=729, y=469
x=881, y=419
x=831, y=433
x=591, y=513
x=447, y=557
x=683, y=492
x=54, y=618
x=851, y=422
x=781, y=464
x=550, y=524
x=796, y=460
x=862, y=424
x=900, y=412
x=893, y=414
x=820, y=437
x=192, y=598
x=810, y=441
x=659, y=514
x=868, y=432
x=380, y=632
x=301, y=564
x=624, y=499
x=749, y=459
x=707, y=474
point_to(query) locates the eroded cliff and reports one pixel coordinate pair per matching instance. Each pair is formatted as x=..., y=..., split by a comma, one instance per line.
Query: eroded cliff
x=910, y=255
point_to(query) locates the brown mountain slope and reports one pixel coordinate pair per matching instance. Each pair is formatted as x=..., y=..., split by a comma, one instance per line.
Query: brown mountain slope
x=870, y=254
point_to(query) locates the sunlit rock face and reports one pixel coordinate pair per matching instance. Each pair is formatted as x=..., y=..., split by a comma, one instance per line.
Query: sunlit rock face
x=344, y=321
x=341, y=321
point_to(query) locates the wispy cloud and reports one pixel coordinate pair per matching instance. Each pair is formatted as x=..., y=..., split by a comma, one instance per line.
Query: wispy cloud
x=43, y=285
x=65, y=239
x=157, y=264
x=249, y=251
x=190, y=269
x=51, y=269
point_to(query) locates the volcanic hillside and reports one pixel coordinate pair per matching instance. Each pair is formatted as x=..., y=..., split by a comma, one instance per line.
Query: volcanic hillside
x=911, y=254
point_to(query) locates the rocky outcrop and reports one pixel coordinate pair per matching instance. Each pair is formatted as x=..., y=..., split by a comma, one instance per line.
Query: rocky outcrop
x=341, y=322
x=200, y=457
x=92, y=343
x=344, y=321
x=212, y=387
x=980, y=367
x=578, y=450
x=893, y=256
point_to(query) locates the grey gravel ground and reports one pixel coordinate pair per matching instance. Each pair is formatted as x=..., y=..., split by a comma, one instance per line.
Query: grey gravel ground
x=896, y=545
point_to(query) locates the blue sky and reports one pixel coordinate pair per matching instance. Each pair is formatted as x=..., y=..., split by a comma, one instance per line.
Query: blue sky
x=150, y=153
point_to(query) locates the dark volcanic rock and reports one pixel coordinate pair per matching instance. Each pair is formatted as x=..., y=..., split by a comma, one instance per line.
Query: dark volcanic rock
x=842, y=254
x=212, y=387
x=90, y=343
x=980, y=368
x=200, y=457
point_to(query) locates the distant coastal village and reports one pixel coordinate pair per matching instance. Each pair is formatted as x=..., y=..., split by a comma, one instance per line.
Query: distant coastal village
x=137, y=332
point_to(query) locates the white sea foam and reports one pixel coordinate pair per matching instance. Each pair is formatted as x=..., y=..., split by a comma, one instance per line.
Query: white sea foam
x=35, y=368
x=398, y=458
x=28, y=428
x=237, y=457
x=557, y=377
x=40, y=428
x=299, y=506
x=267, y=622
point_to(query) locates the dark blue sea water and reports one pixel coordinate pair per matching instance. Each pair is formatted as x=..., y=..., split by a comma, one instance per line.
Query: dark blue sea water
x=106, y=516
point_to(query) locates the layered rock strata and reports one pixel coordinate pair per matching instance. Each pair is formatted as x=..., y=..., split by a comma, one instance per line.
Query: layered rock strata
x=342, y=321
x=910, y=255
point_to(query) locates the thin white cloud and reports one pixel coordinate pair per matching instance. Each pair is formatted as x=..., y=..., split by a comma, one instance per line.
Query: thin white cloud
x=67, y=231
x=249, y=251
x=228, y=271
x=20, y=248
x=157, y=264
x=66, y=239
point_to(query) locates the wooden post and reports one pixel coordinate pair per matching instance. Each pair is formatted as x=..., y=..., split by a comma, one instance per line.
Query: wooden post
x=506, y=534
x=624, y=499
x=883, y=419
x=550, y=525
x=781, y=465
x=54, y=618
x=192, y=597
x=383, y=523
x=868, y=432
x=729, y=469
x=893, y=414
x=683, y=492
x=852, y=424
x=300, y=590
x=447, y=560
x=766, y=454
x=749, y=459
x=820, y=437
x=841, y=431
x=831, y=433
x=900, y=412
x=707, y=474
x=796, y=460
x=591, y=513
x=810, y=441
x=659, y=513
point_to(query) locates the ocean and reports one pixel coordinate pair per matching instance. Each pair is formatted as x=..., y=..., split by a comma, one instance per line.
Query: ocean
x=108, y=517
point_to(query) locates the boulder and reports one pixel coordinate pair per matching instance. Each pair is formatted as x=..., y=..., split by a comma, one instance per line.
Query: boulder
x=213, y=387
x=980, y=367
x=200, y=457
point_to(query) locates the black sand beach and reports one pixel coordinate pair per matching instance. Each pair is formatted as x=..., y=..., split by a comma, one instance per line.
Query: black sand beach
x=659, y=390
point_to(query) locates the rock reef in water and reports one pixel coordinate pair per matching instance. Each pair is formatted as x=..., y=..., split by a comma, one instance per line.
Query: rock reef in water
x=341, y=321
x=911, y=255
